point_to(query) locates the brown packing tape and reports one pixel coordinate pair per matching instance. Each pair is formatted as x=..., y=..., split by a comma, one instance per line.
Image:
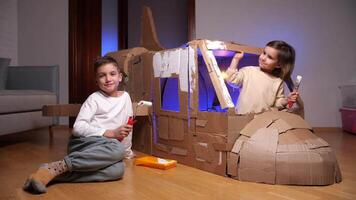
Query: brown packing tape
x=291, y=137
x=202, y=152
x=304, y=136
x=201, y=123
x=176, y=129
x=316, y=143
x=254, y=125
x=235, y=125
x=222, y=146
x=219, y=143
x=179, y=151
x=212, y=122
x=272, y=115
x=294, y=120
x=299, y=140
x=280, y=125
x=163, y=127
x=207, y=158
x=162, y=147
x=188, y=159
x=232, y=160
x=258, y=157
x=237, y=122
x=185, y=143
x=239, y=143
x=135, y=72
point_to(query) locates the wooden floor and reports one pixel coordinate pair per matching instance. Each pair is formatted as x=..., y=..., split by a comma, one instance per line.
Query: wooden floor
x=21, y=154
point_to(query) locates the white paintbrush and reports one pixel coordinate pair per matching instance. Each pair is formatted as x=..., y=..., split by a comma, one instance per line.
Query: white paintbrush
x=296, y=87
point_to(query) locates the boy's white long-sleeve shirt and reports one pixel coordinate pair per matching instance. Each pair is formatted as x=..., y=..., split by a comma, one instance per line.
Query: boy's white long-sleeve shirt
x=259, y=90
x=100, y=113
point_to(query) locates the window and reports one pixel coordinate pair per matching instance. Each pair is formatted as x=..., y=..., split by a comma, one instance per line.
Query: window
x=208, y=100
x=170, y=94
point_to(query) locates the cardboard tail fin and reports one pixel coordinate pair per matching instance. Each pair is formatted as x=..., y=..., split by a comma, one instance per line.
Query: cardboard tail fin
x=149, y=39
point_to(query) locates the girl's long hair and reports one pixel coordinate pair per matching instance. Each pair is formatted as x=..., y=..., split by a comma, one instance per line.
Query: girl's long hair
x=286, y=59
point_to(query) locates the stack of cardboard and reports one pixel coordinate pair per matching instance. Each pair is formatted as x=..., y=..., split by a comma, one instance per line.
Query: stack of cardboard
x=279, y=148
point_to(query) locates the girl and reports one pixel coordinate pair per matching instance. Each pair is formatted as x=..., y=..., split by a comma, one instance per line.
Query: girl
x=95, y=152
x=262, y=87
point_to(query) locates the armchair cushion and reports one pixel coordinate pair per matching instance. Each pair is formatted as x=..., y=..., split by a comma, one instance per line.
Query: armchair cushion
x=4, y=62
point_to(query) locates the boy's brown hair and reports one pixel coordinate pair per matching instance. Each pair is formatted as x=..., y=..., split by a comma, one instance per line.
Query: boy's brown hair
x=100, y=61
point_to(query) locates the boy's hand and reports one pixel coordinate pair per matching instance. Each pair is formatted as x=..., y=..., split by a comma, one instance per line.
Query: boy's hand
x=123, y=131
x=119, y=133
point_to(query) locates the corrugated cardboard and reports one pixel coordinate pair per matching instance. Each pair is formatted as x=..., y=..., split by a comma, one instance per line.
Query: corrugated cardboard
x=283, y=152
x=142, y=135
x=232, y=160
x=271, y=147
x=258, y=157
x=149, y=38
x=206, y=157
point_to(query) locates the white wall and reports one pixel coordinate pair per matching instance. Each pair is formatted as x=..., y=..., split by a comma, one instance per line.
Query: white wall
x=322, y=31
x=43, y=37
x=8, y=30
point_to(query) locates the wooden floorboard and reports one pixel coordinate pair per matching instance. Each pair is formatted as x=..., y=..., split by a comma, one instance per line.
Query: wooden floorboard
x=21, y=154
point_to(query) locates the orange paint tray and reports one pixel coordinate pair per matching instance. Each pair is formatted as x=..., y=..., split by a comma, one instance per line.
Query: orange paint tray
x=154, y=162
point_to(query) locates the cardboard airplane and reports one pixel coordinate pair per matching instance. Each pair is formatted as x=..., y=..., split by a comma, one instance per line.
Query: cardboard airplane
x=193, y=118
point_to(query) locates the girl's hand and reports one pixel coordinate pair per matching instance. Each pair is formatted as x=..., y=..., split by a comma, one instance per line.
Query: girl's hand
x=293, y=96
x=236, y=59
x=238, y=56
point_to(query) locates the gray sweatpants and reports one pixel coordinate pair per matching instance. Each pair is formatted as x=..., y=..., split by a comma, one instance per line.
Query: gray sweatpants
x=93, y=159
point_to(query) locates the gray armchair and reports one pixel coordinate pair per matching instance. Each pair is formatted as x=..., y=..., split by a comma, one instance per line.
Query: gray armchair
x=24, y=90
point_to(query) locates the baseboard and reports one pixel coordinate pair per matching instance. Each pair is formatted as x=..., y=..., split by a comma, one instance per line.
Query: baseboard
x=327, y=129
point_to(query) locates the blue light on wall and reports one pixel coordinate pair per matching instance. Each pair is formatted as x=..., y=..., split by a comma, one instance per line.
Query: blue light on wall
x=109, y=27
